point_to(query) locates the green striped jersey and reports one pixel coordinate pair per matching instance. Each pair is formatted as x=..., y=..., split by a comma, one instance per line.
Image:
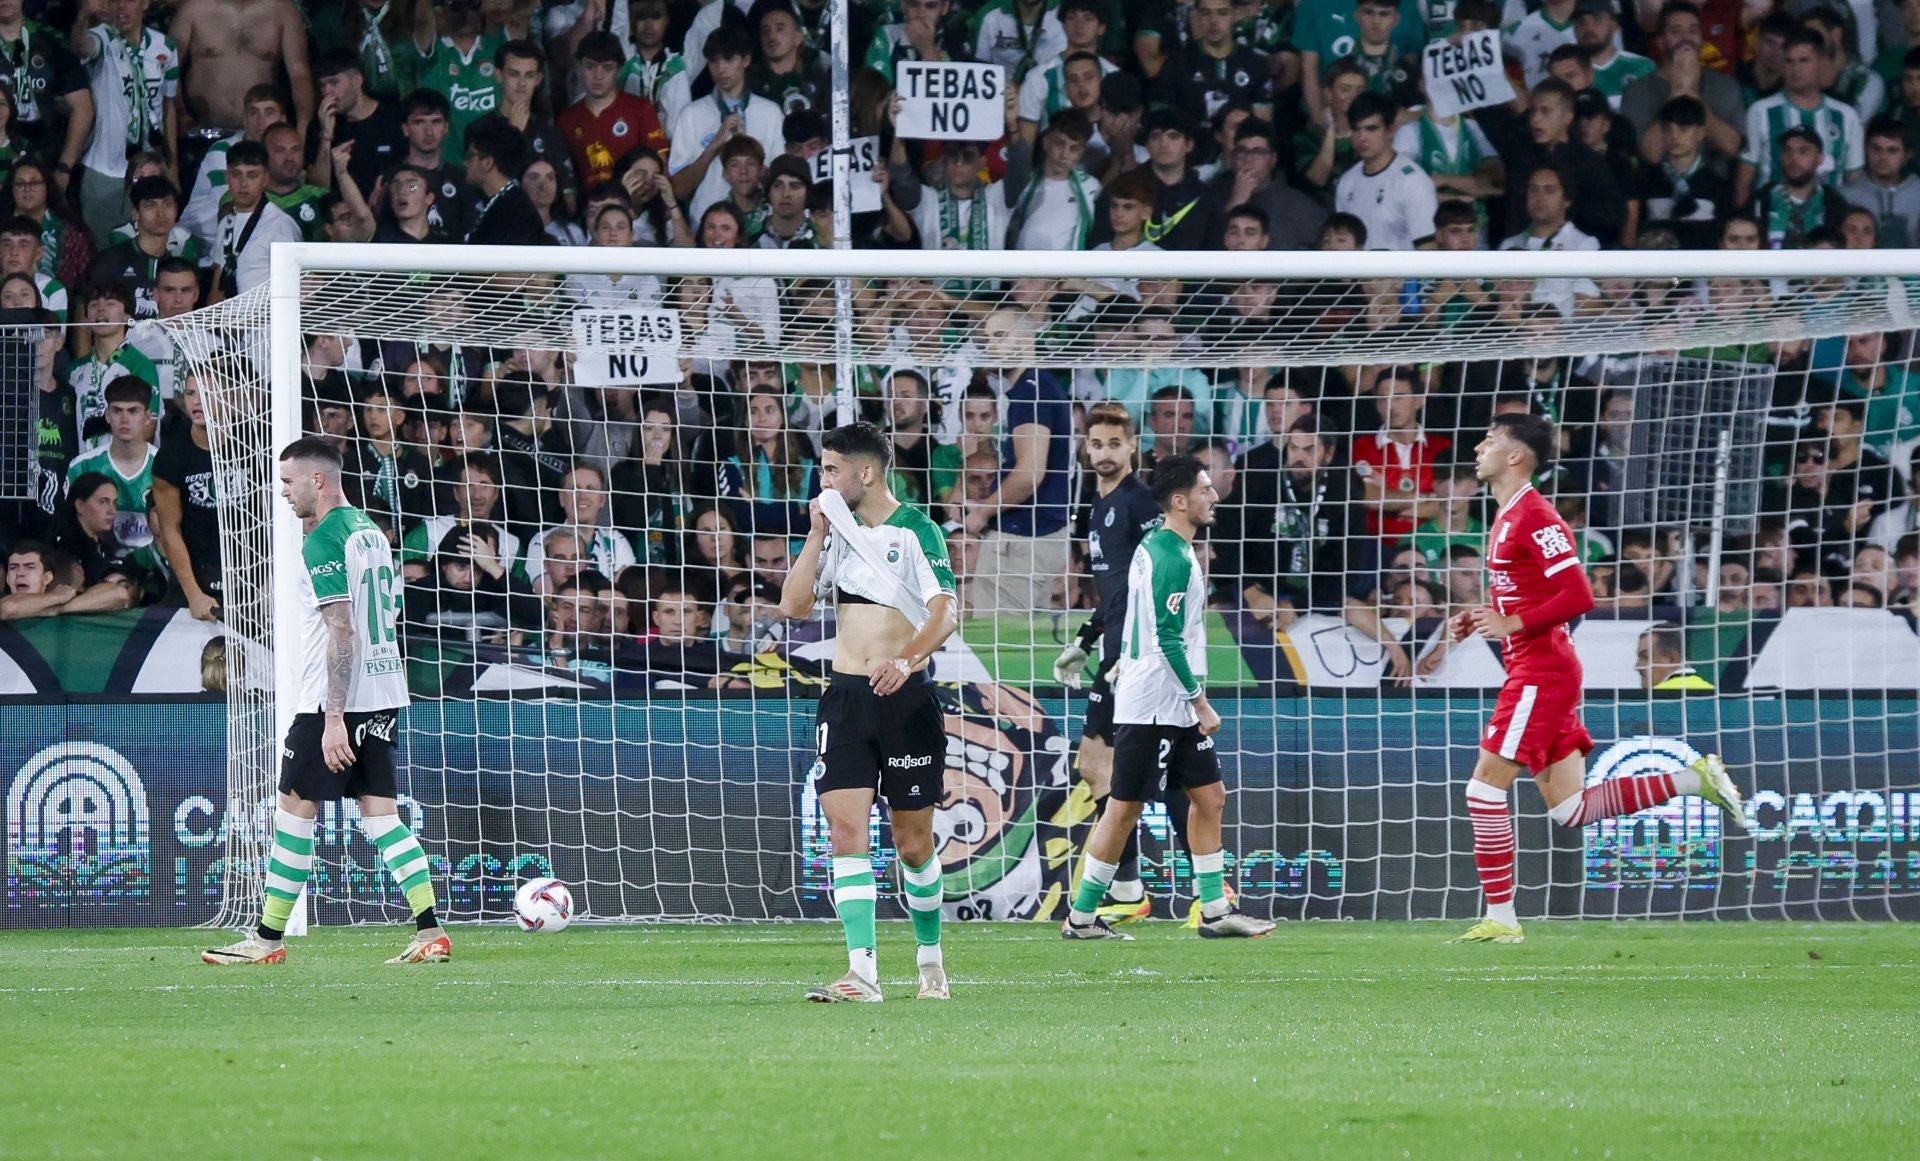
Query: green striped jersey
x=1163, y=657
x=347, y=558
x=1835, y=121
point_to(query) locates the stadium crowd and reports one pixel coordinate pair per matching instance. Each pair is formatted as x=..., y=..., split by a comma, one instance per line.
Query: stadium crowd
x=151, y=153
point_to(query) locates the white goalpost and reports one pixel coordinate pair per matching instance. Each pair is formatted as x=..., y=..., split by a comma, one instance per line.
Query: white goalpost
x=580, y=731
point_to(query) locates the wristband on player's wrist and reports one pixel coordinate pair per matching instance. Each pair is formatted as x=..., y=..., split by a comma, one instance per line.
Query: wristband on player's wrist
x=1089, y=633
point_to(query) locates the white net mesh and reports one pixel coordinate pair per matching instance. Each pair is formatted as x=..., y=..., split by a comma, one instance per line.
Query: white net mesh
x=225, y=346
x=604, y=694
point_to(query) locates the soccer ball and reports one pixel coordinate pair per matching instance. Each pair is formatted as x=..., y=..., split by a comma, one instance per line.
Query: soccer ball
x=543, y=905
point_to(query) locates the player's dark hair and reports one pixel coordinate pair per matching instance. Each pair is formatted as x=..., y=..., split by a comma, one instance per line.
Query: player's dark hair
x=312, y=449
x=1172, y=476
x=129, y=389
x=1535, y=432
x=860, y=438
x=1110, y=414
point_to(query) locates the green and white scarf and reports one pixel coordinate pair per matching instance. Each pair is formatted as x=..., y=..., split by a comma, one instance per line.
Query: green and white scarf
x=977, y=237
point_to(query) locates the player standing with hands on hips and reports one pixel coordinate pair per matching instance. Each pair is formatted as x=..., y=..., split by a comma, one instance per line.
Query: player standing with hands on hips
x=881, y=730
x=353, y=685
x=1163, y=723
x=1538, y=587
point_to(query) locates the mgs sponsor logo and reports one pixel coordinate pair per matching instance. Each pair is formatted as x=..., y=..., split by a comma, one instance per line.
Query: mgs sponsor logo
x=77, y=827
x=327, y=568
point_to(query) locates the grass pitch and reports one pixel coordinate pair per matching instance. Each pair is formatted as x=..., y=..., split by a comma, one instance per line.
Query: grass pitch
x=1744, y=1040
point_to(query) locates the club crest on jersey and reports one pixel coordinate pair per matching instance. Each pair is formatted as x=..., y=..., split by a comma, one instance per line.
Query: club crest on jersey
x=620, y=128
x=1109, y=519
x=893, y=556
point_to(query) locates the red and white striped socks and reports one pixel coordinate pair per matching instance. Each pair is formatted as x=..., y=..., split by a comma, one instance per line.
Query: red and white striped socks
x=1493, y=848
x=1628, y=794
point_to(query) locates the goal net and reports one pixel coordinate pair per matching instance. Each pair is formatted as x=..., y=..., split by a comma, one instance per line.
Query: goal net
x=595, y=467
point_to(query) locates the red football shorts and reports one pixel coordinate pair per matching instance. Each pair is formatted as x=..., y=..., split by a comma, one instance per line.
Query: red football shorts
x=1536, y=722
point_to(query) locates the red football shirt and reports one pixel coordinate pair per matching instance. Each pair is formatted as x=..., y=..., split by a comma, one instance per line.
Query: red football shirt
x=1405, y=472
x=597, y=141
x=1534, y=573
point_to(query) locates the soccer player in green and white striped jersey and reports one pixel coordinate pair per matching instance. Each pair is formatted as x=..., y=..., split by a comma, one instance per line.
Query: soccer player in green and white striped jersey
x=1164, y=725
x=353, y=685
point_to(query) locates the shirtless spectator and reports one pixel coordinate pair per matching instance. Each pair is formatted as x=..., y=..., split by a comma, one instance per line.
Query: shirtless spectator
x=229, y=46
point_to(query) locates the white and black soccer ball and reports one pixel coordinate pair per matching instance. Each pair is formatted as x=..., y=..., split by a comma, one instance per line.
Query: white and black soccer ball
x=543, y=905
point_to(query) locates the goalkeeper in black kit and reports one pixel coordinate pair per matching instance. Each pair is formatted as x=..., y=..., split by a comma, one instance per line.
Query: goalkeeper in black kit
x=1123, y=511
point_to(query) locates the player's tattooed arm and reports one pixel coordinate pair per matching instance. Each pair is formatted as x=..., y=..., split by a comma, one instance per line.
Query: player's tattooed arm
x=339, y=618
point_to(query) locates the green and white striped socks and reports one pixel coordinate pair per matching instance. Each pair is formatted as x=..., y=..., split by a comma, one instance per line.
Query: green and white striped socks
x=1094, y=878
x=853, y=898
x=1210, y=876
x=405, y=859
x=924, y=890
x=287, y=869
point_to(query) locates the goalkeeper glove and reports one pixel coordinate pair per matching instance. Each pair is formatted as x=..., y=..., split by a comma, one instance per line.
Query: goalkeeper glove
x=1070, y=666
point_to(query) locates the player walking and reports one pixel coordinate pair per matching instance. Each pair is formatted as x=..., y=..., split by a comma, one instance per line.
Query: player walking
x=352, y=687
x=1164, y=726
x=1538, y=586
x=1122, y=513
x=881, y=729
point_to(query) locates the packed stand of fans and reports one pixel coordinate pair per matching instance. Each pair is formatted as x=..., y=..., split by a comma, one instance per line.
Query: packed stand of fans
x=151, y=153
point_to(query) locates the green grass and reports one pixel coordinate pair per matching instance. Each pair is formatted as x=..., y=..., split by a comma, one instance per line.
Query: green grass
x=1742, y=1040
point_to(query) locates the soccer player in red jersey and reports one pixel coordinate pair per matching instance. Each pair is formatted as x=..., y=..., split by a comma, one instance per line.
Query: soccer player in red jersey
x=1538, y=587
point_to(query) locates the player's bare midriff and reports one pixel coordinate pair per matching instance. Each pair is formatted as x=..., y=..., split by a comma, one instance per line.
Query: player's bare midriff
x=869, y=635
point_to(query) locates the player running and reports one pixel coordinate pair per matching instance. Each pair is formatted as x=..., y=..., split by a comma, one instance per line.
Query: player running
x=881, y=729
x=352, y=687
x=1122, y=513
x=1164, y=726
x=1538, y=587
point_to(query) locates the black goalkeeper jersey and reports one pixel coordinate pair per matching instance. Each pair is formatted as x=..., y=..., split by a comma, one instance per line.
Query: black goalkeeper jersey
x=1115, y=525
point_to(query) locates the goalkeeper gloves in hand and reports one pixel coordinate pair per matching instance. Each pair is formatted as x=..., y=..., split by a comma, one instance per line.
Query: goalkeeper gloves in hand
x=1070, y=666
